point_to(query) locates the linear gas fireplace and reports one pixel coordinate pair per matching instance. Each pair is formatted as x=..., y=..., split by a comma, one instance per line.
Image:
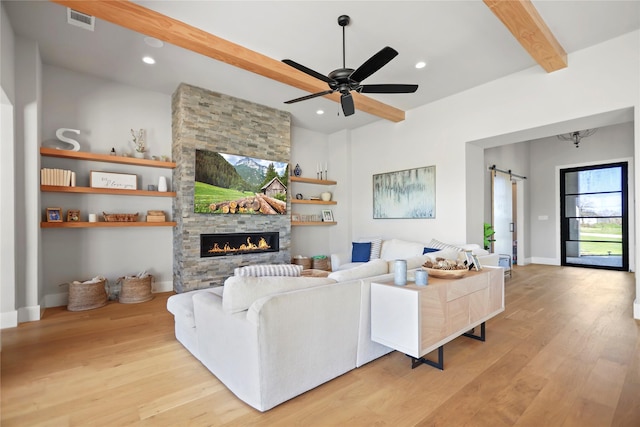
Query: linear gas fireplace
x=238, y=243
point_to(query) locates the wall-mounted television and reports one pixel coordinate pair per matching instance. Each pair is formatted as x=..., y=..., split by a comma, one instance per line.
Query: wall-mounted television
x=232, y=184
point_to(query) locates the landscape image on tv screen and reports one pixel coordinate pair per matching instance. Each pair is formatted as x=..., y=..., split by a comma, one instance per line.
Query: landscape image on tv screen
x=232, y=184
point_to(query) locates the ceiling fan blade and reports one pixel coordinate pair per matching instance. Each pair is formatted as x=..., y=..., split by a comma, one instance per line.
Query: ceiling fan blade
x=346, y=100
x=313, y=95
x=373, y=64
x=392, y=88
x=308, y=71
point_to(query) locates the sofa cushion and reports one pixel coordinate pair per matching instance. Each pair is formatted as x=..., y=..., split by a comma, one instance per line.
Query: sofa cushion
x=374, y=267
x=475, y=249
x=360, y=252
x=429, y=250
x=400, y=249
x=181, y=305
x=412, y=262
x=292, y=270
x=241, y=291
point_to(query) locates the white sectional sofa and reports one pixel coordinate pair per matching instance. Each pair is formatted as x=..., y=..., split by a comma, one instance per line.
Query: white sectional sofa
x=392, y=249
x=269, y=339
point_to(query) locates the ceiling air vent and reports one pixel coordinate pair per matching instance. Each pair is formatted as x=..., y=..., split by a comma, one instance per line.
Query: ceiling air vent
x=80, y=19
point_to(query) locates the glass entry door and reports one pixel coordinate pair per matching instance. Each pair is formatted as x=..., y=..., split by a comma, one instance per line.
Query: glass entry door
x=594, y=222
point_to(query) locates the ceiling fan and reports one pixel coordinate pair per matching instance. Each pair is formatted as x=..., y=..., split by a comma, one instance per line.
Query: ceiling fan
x=344, y=79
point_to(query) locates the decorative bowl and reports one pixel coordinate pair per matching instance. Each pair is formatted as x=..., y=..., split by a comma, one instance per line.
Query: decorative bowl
x=446, y=274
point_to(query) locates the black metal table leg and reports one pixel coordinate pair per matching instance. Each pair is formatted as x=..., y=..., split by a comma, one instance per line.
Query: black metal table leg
x=480, y=337
x=422, y=360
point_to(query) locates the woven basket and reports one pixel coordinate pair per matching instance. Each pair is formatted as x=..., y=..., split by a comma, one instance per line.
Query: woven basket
x=320, y=264
x=305, y=262
x=87, y=296
x=135, y=289
x=120, y=217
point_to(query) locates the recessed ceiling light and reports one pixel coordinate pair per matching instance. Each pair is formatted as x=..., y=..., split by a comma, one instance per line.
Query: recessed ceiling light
x=320, y=112
x=421, y=64
x=153, y=42
x=148, y=60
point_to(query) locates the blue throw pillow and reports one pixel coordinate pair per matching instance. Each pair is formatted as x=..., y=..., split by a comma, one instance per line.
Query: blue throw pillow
x=428, y=250
x=361, y=252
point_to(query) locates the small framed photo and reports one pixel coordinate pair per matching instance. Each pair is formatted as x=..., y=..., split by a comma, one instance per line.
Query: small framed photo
x=327, y=215
x=295, y=217
x=54, y=214
x=73, y=215
x=476, y=263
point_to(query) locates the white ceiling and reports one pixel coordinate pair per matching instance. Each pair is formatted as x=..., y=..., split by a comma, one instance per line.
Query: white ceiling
x=464, y=44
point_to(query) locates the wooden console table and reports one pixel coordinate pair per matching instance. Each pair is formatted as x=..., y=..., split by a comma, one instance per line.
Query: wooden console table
x=419, y=319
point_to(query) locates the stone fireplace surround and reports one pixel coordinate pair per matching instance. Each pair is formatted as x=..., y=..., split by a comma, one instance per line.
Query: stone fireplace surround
x=207, y=120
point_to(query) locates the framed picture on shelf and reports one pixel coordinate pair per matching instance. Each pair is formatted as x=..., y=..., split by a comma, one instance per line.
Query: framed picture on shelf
x=117, y=180
x=327, y=215
x=54, y=214
x=295, y=217
x=73, y=215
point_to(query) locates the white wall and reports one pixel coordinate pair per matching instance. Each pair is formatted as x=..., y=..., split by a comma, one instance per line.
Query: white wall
x=8, y=312
x=27, y=133
x=599, y=79
x=309, y=149
x=104, y=112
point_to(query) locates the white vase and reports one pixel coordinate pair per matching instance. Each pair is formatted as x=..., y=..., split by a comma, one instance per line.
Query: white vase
x=162, y=184
x=326, y=196
x=138, y=155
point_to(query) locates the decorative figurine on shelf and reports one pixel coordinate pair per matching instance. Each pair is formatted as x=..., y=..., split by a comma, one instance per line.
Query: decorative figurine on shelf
x=75, y=146
x=113, y=151
x=297, y=171
x=139, y=143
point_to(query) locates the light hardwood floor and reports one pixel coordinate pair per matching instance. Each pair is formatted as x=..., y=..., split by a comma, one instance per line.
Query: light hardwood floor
x=566, y=352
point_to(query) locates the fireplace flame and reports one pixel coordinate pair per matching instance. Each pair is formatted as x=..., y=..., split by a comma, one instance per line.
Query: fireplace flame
x=249, y=246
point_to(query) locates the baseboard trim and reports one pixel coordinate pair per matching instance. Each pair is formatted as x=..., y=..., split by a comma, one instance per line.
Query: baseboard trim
x=8, y=319
x=545, y=261
x=29, y=314
x=157, y=287
x=56, y=300
x=62, y=299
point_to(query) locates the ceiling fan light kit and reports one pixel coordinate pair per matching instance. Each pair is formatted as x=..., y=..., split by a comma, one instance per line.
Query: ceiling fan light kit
x=345, y=80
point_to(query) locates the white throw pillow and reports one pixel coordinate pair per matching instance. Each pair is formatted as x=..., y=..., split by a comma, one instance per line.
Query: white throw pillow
x=372, y=268
x=292, y=270
x=241, y=291
x=437, y=244
x=400, y=249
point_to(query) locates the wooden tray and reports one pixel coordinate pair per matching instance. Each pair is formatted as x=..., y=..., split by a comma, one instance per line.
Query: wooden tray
x=446, y=274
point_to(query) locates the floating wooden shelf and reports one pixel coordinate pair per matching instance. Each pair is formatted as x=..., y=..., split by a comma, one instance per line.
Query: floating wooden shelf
x=312, y=202
x=90, y=190
x=107, y=158
x=313, y=223
x=312, y=180
x=105, y=224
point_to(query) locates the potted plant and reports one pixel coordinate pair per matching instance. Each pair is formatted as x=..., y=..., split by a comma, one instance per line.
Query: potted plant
x=488, y=235
x=139, y=143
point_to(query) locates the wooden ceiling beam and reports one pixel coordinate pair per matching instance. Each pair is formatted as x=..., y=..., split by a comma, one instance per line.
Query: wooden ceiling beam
x=528, y=27
x=150, y=23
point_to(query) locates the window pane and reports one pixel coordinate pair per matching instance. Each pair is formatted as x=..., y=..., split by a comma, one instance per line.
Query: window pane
x=588, y=205
x=594, y=181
